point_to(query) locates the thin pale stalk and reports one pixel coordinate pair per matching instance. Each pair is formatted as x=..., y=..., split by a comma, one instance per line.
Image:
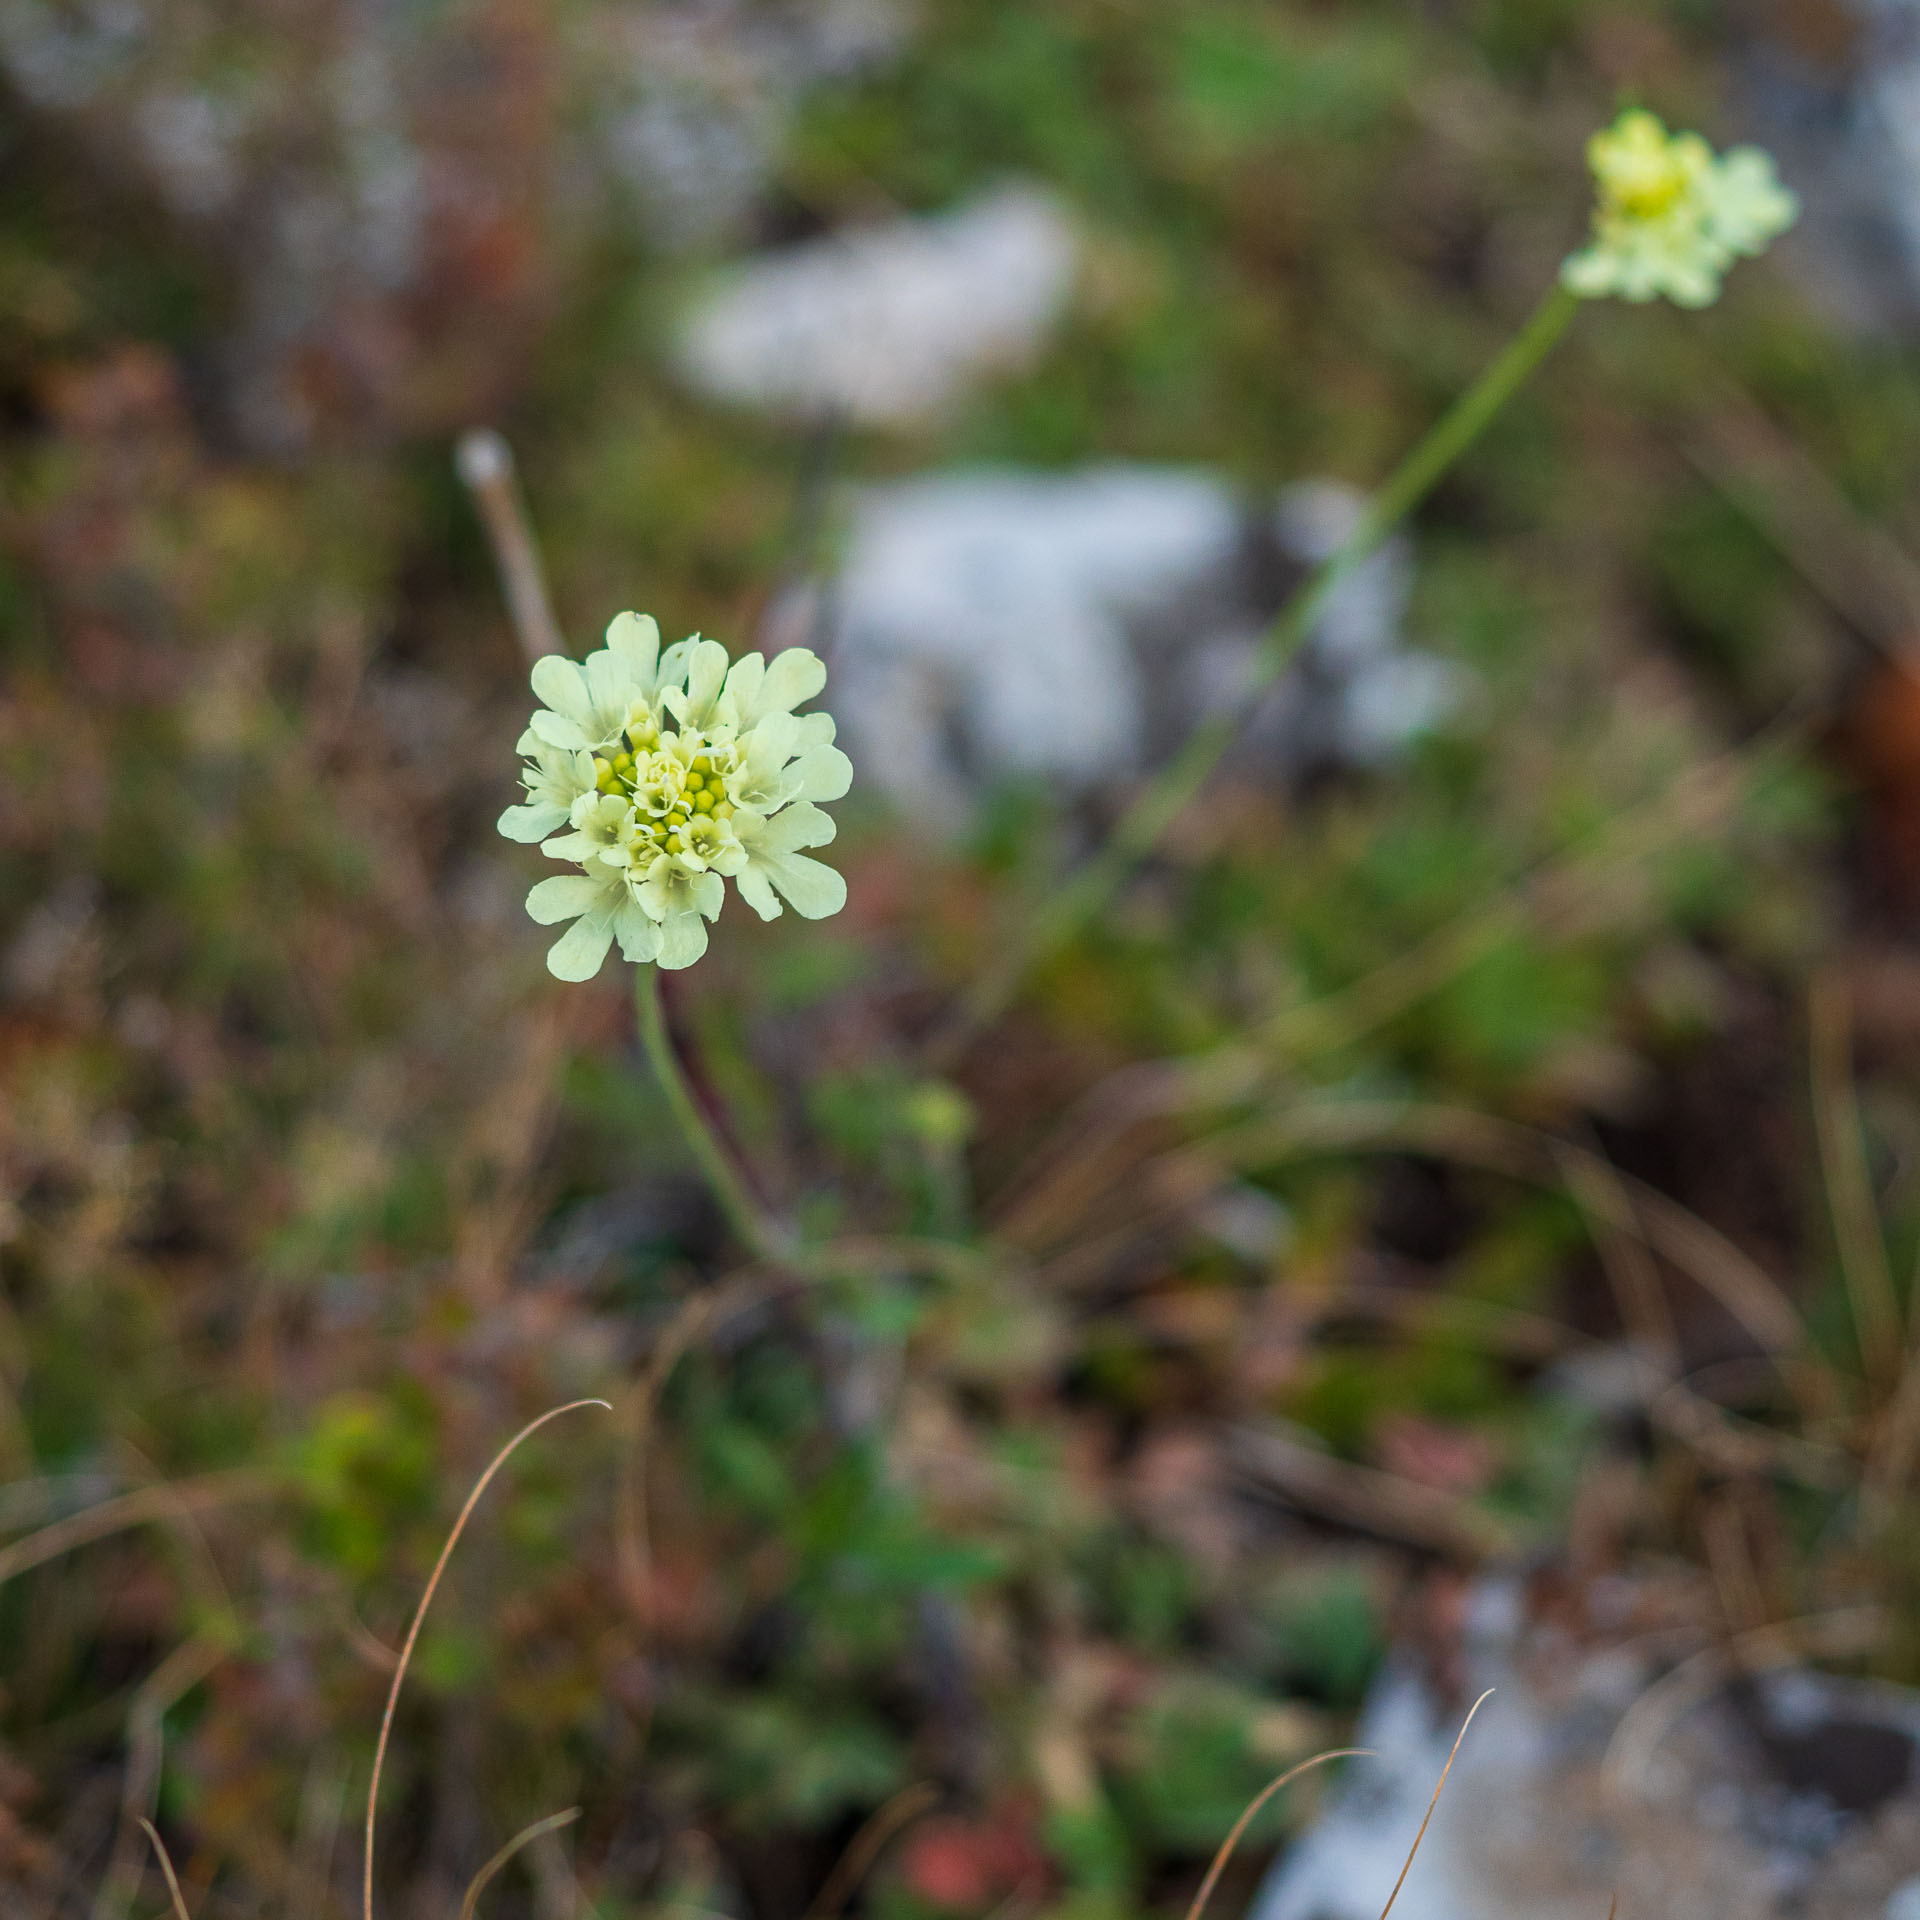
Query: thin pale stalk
x=166, y=1868
x=420, y=1613
x=139, y=1508
x=478, y=1884
x=1439, y=1787
x=744, y=1213
x=1141, y=827
x=1253, y=1806
x=1843, y=1161
x=868, y=1844
x=484, y=462
x=178, y=1674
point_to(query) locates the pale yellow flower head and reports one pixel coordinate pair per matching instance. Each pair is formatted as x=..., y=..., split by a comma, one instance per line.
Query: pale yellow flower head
x=1672, y=216
x=671, y=773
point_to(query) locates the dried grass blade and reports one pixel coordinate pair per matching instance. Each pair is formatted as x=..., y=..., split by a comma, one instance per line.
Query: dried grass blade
x=478, y=1884
x=865, y=1847
x=166, y=1502
x=1439, y=1787
x=1254, y=1805
x=420, y=1613
x=166, y=1868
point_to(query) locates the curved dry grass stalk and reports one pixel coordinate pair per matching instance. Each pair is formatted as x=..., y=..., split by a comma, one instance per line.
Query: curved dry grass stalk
x=1253, y=1806
x=1890, y=1460
x=1747, y=1292
x=166, y=1868
x=178, y=1674
x=478, y=1884
x=420, y=1613
x=1439, y=1787
x=1596, y=1188
x=866, y=1846
x=1736, y=1445
x=1660, y=1708
x=1368, y=1498
x=170, y=1501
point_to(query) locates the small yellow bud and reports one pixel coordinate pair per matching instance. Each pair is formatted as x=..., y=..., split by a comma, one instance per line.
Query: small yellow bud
x=703, y=803
x=603, y=775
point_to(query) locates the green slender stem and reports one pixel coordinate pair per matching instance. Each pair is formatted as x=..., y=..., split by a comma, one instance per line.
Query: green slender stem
x=1140, y=828
x=745, y=1215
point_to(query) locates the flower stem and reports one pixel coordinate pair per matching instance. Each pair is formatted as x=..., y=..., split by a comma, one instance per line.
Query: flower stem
x=767, y=1239
x=1140, y=828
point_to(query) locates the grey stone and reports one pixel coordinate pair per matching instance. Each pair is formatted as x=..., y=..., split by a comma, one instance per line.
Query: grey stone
x=1073, y=627
x=888, y=324
x=1782, y=1795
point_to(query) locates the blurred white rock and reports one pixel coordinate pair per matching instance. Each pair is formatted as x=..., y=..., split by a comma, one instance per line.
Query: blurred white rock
x=987, y=623
x=1788, y=1794
x=1842, y=116
x=887, y=325
x=695, y=97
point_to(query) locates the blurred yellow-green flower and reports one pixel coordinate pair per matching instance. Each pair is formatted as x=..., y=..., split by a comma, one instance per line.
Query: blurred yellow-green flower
x=673, y=773
x=1672, y=216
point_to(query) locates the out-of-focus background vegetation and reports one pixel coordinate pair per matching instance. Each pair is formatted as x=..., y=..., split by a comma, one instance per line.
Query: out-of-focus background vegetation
x=1404, y=1177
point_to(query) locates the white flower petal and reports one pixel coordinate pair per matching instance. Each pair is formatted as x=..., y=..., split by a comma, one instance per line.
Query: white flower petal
x=683, y=939
x=824, y=774
x=561, y=685
x=753, y=886
x=564, y=896
x=614, y=690
x=698, y=704
x=634, y=640
x=799, y=825
x=813, y=889
x=672, y=670
x=579, y=952
x=560, y=730
x=774, y=739
x=743, y=686
x=532, y=822
x=639, y=937
x=793, y=677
